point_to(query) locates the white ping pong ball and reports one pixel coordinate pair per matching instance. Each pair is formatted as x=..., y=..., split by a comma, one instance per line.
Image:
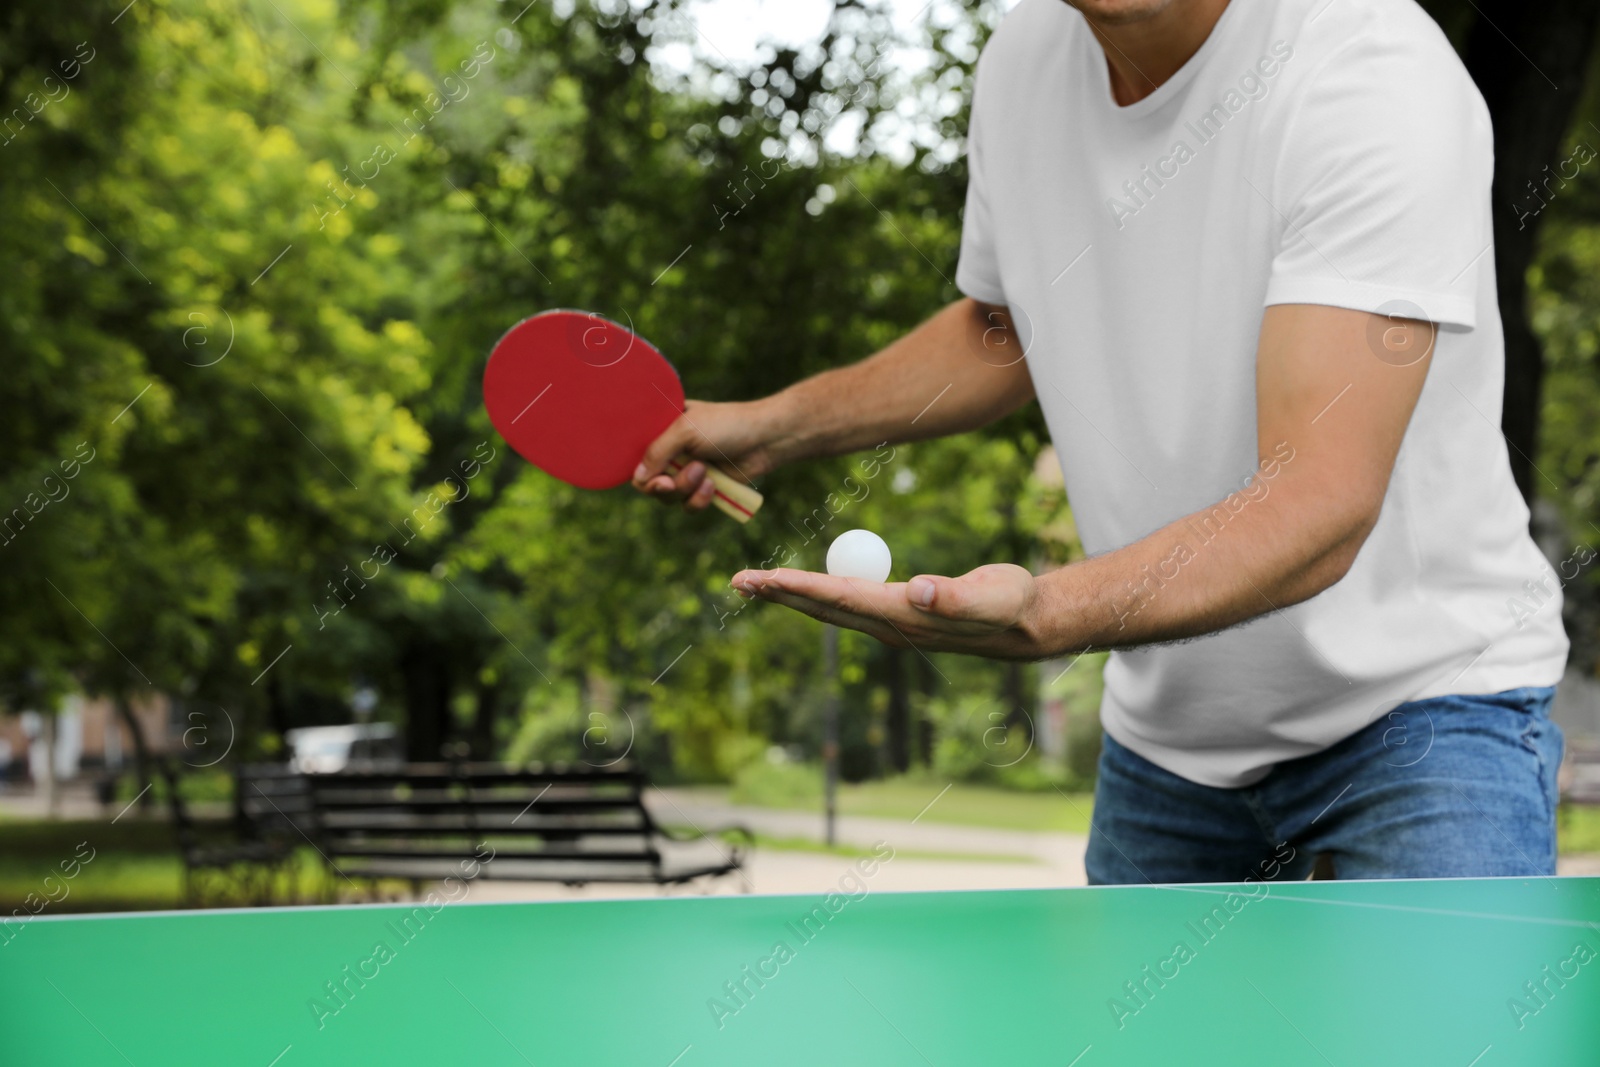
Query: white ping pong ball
x=859, y=554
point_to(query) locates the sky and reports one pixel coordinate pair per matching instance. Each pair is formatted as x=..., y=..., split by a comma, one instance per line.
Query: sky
x=737, y=32
x=737, y=28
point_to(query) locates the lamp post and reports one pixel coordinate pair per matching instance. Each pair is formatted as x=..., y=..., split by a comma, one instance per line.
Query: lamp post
x=362, y=702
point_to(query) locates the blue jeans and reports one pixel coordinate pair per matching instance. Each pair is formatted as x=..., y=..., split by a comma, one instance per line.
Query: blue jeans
x=1452, y=787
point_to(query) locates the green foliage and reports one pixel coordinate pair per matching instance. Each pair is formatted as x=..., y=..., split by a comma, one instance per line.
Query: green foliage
x=212, y=786
x=1078, y=688
x=778, y=785
x=552, y=732
x=1565, y=312
x=976, y=743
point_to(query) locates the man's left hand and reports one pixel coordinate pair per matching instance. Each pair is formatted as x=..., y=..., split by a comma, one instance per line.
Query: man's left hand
x=993, y=611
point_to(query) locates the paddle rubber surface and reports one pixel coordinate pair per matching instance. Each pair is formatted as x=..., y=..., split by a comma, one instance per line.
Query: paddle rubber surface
x=1350, y=974
x=579, y=396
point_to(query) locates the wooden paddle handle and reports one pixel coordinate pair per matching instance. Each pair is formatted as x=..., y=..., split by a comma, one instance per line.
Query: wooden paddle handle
x=733, y=497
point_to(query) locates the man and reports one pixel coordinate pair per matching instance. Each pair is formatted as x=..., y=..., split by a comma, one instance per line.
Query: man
x=1246, y=249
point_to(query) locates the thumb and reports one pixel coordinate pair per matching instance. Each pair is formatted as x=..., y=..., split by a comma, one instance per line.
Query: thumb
x=983, y=595
x=673, y=440
x=932, y=594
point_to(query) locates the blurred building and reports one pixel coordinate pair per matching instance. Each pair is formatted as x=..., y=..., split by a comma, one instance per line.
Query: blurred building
x=86, y=737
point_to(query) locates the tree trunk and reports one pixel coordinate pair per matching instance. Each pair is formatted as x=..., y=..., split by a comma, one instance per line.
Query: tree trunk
x=1531, y=88
x=141, y=749
x=1014, y=695
x=897, y=722
x=278, y=711
x=925, y=727
x=426, y=670
x=481, y=740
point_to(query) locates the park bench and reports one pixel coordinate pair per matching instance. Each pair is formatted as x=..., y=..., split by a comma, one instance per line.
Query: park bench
x=426, y=822
x=1580, y=774
x=236, y=863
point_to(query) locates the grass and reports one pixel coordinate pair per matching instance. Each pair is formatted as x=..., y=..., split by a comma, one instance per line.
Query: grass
x=132, y=865
x=806, y=844
x=1578, y=829
x=797, y=786
x=968, y=805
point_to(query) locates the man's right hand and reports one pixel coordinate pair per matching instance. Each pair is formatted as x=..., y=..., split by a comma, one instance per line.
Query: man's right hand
x=735, y=437
x=959, y=370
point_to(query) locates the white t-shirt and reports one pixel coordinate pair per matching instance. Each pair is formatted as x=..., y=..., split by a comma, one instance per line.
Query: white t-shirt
x=1310, y=152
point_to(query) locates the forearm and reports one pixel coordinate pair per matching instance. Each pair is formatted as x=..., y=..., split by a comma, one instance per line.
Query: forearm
x=959, y=370
x=1276, y=543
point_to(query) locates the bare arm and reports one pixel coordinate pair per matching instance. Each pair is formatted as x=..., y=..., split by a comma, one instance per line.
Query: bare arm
x=1330, y=415
x=959, y=370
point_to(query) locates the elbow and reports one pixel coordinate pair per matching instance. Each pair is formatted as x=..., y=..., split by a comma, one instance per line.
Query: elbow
x=1343, y=544
x=1333, y=567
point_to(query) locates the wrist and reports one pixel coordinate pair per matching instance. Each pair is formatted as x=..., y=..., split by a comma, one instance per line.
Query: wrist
x=1049, y=619
x=782, y=427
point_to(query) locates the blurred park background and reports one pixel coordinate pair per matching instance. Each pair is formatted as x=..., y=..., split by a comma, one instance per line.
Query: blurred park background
x=255, y=253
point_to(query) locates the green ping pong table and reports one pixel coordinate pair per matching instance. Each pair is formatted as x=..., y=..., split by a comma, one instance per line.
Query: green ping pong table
x=1483, y=973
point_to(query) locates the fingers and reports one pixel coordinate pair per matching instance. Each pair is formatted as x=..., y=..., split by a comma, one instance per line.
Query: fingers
x=657, y=477
x=841, y=594
x=883, y=601
x=877, y=608
x=871, y=626
x=703, y=493
x=673, y=440
x=686, y=485
x=838, y=606
x=983, y=612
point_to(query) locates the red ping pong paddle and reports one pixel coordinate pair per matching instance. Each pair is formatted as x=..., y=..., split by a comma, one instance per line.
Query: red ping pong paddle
x=581, y=398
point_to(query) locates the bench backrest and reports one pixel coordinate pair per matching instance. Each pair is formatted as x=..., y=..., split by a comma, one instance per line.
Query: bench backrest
x=551, y=802
x=271, y=801
x=1583, y=773
x=428, y=819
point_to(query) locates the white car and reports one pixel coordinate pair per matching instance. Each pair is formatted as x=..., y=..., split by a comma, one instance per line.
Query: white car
x=331, y=749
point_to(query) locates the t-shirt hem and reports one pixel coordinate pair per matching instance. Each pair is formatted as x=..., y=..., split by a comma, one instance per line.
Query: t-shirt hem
x=1237, y=768
x=1377, y=299
x=1174, y=761
x=1547, y=671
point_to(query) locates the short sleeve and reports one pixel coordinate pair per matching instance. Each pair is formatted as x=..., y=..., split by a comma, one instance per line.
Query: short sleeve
x=978, y=269
x=1383, y=186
